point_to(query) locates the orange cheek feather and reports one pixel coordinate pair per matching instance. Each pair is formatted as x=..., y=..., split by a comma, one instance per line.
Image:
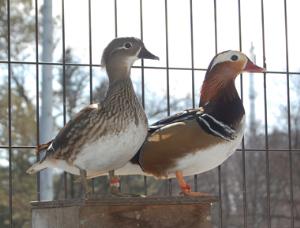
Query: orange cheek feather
x=218, y=77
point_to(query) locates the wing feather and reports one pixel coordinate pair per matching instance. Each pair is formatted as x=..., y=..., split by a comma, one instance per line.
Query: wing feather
x=70, y=132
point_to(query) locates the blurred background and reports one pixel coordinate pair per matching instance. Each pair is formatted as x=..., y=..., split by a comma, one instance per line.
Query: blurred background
x=50, y=53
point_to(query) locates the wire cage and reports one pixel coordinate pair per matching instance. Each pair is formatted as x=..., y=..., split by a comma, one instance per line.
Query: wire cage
x=257, y=187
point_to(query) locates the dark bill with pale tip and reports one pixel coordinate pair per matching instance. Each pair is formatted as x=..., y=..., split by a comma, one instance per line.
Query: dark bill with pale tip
x=145, y=54
x=251, y=67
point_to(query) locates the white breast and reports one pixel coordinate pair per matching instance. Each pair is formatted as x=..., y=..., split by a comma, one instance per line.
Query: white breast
x=112, y=151
x=204, y=160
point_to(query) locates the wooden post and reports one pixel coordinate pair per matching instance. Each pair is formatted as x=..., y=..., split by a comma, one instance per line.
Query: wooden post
x=181, y=212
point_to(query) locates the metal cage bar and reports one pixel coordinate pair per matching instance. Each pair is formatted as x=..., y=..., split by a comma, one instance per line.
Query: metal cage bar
x=116, y=17
x=90, y=52
x=266, y=118
x=135, y=67
x=246, y=149
x=90, y=68
x=143, y=79
x=289, y=118
x=245, y=208
x=193, y=73
x=169, y=181
x=64, y=85
x=10, y=147
x=37, y=92
x=10, y=186
x=219, y=167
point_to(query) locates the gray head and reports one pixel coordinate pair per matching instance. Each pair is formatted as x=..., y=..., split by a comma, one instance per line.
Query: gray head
x=121, y=53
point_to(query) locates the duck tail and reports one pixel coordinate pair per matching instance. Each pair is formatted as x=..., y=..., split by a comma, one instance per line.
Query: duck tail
x=37, y=167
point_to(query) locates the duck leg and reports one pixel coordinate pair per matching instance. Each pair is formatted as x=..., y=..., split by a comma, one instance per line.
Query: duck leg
x=185, y=188
x=114, y=185
x=84, y=184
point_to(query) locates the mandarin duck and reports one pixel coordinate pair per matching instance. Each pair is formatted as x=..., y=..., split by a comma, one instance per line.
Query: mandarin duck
x=197, y=140
x=103, y=136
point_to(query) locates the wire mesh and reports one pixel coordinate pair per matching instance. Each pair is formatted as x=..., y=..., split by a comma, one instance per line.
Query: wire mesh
x=167, y=69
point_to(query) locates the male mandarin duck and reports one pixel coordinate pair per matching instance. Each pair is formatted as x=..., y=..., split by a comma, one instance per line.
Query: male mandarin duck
x=197, y=140
x=104, y=136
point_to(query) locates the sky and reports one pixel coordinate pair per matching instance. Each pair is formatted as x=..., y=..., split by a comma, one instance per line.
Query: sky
x=179, y=38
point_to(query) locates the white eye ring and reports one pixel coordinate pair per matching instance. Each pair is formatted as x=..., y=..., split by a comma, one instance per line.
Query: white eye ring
x=127, y=45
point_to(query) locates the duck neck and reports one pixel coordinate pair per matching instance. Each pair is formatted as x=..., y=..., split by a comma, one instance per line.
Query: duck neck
x=121, y=89
x=225, y=105
x=117, y=72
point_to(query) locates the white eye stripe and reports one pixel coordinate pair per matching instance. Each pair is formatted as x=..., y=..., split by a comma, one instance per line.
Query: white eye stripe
x=223, y=57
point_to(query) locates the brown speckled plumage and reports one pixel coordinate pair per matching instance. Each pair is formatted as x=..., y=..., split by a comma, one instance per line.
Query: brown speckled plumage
x=95, y=139
x=119, y=108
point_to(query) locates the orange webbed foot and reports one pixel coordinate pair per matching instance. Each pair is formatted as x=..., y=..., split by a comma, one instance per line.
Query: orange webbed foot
x=185, y=188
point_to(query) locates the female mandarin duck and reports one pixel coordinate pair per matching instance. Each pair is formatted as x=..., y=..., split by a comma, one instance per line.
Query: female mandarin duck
x=197, y=140
x=105, y=136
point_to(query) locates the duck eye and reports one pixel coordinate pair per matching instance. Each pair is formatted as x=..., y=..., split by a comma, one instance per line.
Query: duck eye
x=127, y=45
x=234, y=57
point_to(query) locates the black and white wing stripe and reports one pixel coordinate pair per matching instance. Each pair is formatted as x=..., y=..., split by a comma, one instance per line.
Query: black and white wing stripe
x=181, y=116
x=212, y=126
x=207, y=122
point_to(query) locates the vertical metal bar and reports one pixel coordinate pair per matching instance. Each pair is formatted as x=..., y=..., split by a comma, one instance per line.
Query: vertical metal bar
x=167, y=76
x=215, y=26
x=266, y=119
x=142, y=60
x=243, y=141
x=170, y=188
x=219, y=167
x=90, y=53
x=145, y=186
x=116, y=35
x=143, y=76
x=193, y=73
x=220, y=197
x=64, y=83
x=289, y=117
x=37, y=90
x=90, y=66
x=167, y=57
x=116, y=19
x=192, y=52
x=9, y=118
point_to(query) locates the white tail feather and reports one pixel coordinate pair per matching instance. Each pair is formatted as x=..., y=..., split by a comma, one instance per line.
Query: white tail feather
x=37, y=167
x=53, y=163
x=128, y=169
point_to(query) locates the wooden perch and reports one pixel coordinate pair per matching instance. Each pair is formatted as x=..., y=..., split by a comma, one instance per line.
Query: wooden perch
x=181, y=212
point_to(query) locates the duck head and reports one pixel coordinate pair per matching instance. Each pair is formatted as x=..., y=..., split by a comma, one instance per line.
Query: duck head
x=221, y=73
x=121, y=53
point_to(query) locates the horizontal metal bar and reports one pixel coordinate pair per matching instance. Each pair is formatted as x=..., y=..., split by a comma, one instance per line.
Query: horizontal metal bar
x=137, y=67
x=97, y=65
x=270, y=150
x=252, y=149
x=17, y=147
